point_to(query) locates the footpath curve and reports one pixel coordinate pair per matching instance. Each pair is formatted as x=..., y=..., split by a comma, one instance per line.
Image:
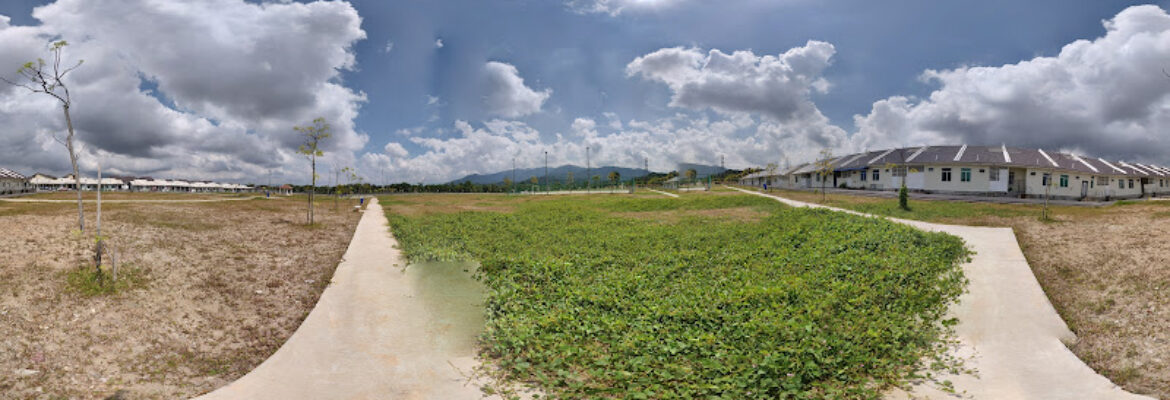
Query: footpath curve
x=1008, y=331
x=368, y=337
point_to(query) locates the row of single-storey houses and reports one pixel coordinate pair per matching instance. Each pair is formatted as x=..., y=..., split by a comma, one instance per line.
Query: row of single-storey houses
x=12, y=182
x=42, y=182
x=976, y=170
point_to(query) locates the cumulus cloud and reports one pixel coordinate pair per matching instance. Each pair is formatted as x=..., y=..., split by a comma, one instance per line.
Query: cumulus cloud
x=616, y=7
x=505, y=93
x=439, y=43
x=389, y=46
x=775, y=86
x=190, y=90
x=1107, y=96
x=664, y=142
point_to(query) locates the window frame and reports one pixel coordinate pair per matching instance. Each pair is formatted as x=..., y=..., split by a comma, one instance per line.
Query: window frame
x=945, y=175
x=1064, y=181
x=964, y=175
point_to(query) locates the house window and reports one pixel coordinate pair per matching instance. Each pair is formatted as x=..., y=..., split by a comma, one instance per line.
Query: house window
x=875, y=175
x=863, y=175
x=1121, y=183
x=1044, y=180
x=900, y=172
x=981, y=170
x=1103, y=180
x=946, y=174
x=993, y=175
x=1064, y=181
x=1131, y=183
x=965, y=174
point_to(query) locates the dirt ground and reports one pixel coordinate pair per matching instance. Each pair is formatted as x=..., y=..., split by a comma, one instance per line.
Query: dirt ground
x=220, y=287
x=1109, y=277
x=137, y=196
x=1105, y=269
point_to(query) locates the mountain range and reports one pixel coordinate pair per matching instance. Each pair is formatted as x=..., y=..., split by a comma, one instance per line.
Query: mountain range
x=560, y=173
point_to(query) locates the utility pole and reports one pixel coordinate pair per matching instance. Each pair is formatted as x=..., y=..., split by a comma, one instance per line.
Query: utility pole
x=588, y=172
x=513, y=172
x=646, y=166
x=547, y=188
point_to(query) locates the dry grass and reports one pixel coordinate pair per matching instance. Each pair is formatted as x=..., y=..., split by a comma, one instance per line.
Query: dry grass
x=224, y=285
x=1105, y=269
x=137, y=196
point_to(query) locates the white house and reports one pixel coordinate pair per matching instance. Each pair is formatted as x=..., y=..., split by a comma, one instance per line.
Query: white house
x=980, y=170
x=12, y=182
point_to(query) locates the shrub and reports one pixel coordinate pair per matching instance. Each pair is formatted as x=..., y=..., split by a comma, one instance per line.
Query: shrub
x=904, y=198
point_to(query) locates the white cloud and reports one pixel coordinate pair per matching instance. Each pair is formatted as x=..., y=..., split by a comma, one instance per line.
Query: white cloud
x=774, y=86
x=389, y=46
x=238, y=75
x=505, y=93
x=664, y=142
x=616, y=7
x=432, y=100
x=1106, y=96
x=439, y=43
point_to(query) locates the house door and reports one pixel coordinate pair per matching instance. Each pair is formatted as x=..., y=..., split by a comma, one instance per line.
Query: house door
x=1084, y=189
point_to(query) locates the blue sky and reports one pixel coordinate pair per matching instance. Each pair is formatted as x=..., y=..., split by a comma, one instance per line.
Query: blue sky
x=882, y=48
x=633, y=79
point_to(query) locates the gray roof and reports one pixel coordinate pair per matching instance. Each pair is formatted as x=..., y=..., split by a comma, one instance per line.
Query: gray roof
x=10, y=174
x=991, y=156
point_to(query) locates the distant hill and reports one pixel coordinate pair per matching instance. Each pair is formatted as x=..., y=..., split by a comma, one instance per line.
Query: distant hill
x=555, y=174
x=701, y=170
x=560, y=173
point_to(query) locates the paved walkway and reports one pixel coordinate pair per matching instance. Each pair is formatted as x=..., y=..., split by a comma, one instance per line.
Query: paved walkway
x=664, y=193
x=1007, y=331
x=368, y=337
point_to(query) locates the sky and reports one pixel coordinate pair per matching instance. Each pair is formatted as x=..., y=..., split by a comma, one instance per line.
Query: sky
x=429, y=91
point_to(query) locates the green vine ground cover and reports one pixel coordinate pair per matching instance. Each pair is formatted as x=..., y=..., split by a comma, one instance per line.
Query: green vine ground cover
x=585, y=301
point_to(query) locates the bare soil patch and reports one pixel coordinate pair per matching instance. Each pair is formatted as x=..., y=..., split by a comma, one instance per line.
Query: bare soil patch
x=224, y=284
x=743, y=214
x=1109, y=277
x=137, y=196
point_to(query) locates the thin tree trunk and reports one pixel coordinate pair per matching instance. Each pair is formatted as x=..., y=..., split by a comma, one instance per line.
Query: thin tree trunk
x=312, y=189
x=76, y=173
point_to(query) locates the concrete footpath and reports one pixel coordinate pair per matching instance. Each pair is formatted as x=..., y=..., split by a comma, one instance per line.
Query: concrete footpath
x=368, y=337
x=1008, y=331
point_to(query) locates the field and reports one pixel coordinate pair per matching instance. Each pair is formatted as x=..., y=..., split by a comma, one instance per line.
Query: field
x=704, y=296
x=207, y=292
x=118, y=196
x=1105, y=269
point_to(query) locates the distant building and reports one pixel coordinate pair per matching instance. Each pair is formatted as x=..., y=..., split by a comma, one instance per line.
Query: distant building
x=48, y=183
x=12, y=182
x=978, y=170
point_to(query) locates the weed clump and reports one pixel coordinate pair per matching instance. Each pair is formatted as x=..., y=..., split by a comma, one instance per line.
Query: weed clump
x=803, y=303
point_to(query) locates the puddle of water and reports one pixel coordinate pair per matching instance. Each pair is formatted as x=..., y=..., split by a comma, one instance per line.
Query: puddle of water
x=454, y=303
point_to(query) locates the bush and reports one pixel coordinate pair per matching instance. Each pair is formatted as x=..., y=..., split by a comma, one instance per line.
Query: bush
x=904, y=198
x=587, y=303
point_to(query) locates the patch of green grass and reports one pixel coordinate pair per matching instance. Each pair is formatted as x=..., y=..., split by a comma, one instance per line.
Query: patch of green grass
x=801, y=304
x=87, y=282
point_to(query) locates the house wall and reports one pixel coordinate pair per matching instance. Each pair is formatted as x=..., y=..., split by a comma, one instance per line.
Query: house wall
x=980, y=179
x=1035, y=186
